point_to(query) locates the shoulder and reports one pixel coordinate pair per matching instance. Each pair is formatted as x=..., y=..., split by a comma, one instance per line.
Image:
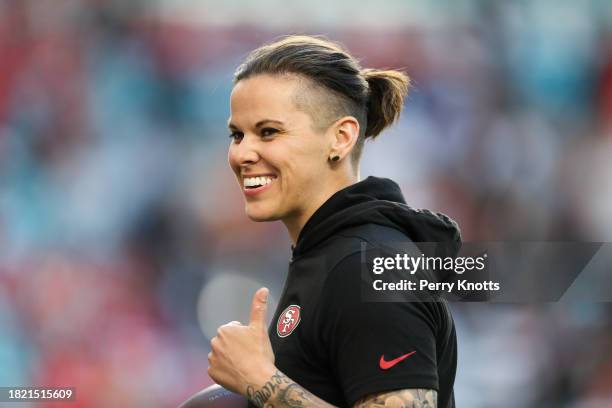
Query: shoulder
x=347, y=286
x=347, y=292
x=374, y=234
x=346, y=245
x=353, y=248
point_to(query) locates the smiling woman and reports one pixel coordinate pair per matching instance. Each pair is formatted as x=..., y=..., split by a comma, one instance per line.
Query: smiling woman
x=301, y=110
x=282, y=150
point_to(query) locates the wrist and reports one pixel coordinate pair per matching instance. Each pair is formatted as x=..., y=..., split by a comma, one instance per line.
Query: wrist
x=261, y=377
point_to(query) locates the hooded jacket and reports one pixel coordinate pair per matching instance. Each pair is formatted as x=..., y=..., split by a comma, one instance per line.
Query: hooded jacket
x=335, y=340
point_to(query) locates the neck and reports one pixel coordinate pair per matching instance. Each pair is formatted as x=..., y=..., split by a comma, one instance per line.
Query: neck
x=295, y=223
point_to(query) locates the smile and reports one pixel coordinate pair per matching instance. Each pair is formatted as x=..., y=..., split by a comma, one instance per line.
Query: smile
x=255, y=185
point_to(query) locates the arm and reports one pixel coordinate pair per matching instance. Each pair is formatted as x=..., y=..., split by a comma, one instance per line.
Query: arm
x=281, y=391
x=408, y=398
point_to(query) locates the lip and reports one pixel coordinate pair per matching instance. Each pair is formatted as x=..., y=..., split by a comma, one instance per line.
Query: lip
x=258, y=175
x=250, y=192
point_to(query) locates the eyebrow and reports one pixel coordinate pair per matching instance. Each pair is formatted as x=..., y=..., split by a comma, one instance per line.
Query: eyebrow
x=258, y=124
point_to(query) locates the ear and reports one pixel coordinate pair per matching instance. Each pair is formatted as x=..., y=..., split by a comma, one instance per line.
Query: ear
x=345, y=133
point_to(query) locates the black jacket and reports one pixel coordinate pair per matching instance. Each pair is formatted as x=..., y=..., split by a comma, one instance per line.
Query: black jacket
x=325, y=333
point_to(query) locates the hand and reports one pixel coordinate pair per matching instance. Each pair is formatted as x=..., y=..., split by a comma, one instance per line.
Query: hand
x=242, y=355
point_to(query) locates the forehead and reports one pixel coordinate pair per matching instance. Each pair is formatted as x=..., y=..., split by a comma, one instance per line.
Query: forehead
x=264, y=95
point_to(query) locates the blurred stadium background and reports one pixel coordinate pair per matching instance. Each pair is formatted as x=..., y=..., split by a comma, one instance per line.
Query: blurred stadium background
x=123, y=242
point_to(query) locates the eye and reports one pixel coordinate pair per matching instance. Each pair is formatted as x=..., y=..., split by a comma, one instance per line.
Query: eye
x=268, y=132
x=236, y=136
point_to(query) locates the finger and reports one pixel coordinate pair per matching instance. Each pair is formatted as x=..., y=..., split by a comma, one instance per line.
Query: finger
x=259, y=308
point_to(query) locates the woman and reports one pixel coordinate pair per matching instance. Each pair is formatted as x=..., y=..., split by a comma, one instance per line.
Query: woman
x=301, y=110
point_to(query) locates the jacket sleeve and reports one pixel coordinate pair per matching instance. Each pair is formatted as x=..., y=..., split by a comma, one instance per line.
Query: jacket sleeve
x=375, y=346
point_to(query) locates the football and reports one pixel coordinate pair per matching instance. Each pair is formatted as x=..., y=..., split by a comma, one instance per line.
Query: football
x=215, y=396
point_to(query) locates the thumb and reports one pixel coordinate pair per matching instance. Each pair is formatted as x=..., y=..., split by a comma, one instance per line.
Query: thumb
x=259, y=308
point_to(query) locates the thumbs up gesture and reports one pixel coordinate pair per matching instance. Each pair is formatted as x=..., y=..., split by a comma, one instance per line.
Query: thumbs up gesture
x=242, y=355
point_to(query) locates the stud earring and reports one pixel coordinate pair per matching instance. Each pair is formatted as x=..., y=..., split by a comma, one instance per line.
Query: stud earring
x=335, y=158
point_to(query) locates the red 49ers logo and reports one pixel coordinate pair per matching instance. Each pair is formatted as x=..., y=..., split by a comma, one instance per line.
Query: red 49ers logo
x=288, y=321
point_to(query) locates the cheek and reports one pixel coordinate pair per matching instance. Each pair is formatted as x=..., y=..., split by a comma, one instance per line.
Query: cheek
x=304, y=178
x=231, y=156
x=233, y=160
x=305, y=159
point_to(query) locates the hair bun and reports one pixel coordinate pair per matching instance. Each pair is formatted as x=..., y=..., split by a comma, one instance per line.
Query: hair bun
x=388, y=88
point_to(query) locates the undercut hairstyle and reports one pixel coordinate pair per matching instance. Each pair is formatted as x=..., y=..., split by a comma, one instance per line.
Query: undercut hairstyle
x=333, y=84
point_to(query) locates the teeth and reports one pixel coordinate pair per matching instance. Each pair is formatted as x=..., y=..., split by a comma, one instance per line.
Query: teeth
x=256, y=181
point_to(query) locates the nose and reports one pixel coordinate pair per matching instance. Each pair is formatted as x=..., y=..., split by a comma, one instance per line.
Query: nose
x=244, y=153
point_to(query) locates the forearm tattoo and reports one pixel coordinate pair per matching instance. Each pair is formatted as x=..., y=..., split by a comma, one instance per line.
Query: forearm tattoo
x=281, y=391
x=408, y=398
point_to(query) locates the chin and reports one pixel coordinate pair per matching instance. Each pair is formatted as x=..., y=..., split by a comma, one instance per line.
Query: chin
x=260, y=214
